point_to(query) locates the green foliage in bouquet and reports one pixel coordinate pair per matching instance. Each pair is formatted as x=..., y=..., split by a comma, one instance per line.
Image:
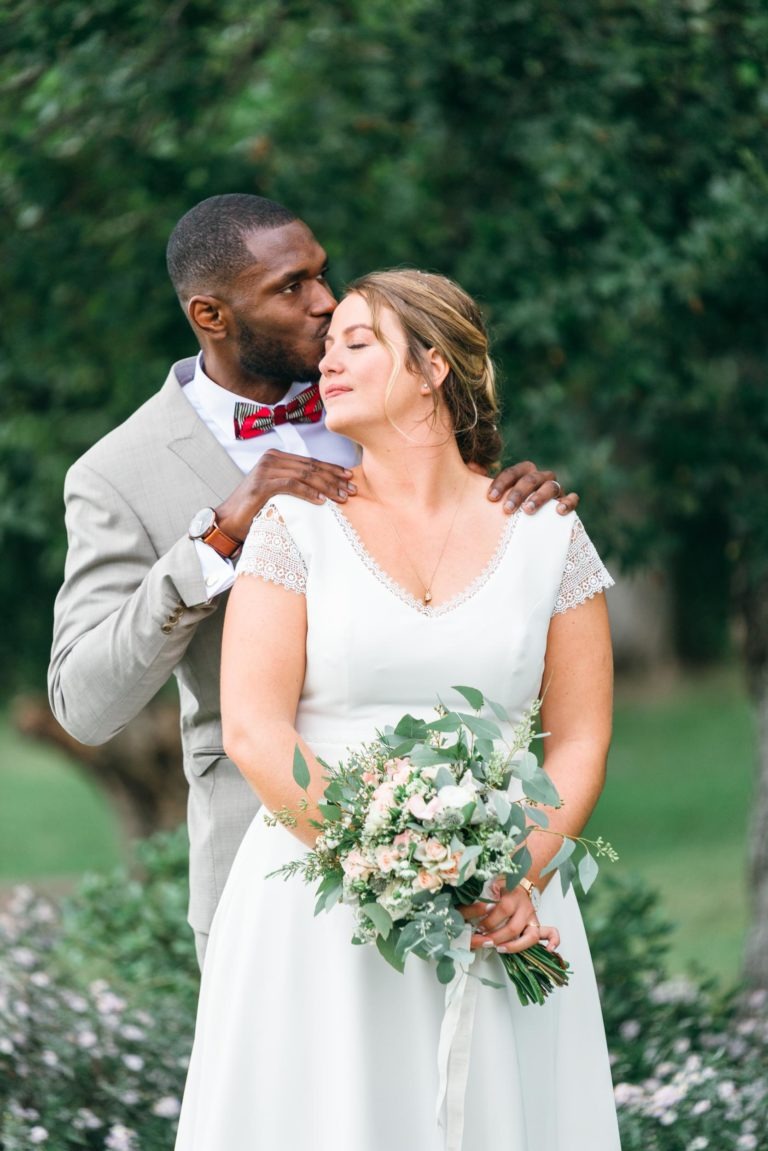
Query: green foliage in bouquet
x=420, y=822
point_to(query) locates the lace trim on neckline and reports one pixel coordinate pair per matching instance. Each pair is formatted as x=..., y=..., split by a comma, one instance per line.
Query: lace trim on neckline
x=402, y=593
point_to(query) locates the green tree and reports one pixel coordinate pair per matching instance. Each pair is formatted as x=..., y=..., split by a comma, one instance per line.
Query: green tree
x=594, y=173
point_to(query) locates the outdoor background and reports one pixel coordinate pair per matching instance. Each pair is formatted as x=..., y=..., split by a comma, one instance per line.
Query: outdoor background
x=596, y=174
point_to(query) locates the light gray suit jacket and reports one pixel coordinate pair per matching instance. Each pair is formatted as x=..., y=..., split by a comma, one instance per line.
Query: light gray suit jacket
x=133, y=610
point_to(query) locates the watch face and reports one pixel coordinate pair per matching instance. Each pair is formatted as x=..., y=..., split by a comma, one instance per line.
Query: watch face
x=202, y=522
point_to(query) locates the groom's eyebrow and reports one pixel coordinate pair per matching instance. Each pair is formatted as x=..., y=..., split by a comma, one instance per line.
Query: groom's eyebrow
x=347, y=331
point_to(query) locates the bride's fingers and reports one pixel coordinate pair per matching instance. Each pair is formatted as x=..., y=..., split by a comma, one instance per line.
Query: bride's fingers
x=529, y=937
x=534, y=933
x=550, y=936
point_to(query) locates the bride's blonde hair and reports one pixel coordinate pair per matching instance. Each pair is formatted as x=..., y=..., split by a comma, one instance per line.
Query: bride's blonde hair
x=434, y=312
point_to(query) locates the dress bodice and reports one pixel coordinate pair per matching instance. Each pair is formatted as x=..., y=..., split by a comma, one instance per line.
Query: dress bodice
x=374, y=652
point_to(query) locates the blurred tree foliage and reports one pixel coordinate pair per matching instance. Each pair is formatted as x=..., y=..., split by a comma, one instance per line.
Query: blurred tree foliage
x=595, y=171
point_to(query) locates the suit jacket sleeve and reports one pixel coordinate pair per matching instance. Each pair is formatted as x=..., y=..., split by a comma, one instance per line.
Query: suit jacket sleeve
x=124, y=616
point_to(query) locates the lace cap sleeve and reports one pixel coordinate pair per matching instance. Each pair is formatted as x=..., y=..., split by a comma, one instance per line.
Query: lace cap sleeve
x=271, y=553
x=584, y=574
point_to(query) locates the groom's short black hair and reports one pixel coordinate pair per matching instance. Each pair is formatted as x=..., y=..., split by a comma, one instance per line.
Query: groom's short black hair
x=206, y=249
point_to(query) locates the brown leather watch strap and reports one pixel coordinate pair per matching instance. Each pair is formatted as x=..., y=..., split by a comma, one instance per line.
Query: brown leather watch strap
x=221, y=542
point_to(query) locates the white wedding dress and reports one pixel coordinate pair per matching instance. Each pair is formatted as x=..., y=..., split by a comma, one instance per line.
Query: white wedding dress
x=305, y=1042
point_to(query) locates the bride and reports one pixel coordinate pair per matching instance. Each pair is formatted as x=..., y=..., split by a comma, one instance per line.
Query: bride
x=356, y=616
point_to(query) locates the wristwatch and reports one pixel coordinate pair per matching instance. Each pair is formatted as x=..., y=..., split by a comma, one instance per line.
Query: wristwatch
x=204, y=528
x=531, y=891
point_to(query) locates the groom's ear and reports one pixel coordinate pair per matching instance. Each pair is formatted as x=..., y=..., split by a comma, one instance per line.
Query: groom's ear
x=208, y=314
x=438, y=367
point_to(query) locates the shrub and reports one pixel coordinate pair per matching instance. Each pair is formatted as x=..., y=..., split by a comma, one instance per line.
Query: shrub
x=97, y=1012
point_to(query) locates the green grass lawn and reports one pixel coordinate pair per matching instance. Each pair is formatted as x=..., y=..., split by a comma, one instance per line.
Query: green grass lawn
x=54, y=823
x=675, y=806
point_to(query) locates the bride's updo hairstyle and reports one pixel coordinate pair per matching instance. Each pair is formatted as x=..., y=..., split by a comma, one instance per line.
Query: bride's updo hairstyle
x=436, y=313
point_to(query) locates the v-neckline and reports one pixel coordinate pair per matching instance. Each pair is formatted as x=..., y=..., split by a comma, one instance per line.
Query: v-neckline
x=353, y=538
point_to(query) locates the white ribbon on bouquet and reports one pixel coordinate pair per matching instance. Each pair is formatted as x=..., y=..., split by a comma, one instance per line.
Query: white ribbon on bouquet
x=454, y=1048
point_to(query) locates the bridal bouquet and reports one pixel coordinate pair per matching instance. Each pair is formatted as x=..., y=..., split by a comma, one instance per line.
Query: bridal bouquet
x=421, y=821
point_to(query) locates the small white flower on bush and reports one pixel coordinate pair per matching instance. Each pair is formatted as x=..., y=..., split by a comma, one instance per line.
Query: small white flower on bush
x=38, y=1135
x=167, y=1108
x=133, y=1062
x=121, y=1138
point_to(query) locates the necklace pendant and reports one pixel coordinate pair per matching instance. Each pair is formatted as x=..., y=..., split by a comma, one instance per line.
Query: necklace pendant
x=427, y=595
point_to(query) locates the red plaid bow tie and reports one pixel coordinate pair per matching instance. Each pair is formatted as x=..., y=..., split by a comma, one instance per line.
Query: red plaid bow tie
x=256, y=419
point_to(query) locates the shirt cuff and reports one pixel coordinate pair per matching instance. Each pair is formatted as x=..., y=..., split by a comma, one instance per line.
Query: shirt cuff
x=218, y=573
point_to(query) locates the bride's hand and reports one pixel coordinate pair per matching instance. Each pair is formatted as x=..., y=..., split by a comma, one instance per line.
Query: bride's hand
x=508, y=924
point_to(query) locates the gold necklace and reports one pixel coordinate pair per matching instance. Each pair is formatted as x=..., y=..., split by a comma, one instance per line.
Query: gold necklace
x=427, y=596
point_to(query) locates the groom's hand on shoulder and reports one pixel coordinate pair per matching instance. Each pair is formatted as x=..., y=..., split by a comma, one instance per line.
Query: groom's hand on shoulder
x=524, y=485
x=281, y=473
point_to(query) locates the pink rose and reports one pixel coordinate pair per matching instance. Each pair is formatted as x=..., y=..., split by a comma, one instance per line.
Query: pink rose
x=370, y=777
x=426, y=881
x=432, y=850
x=386, y=858
x=355, y=865
x=449, y=868
x=422, y=810
x=384, y=795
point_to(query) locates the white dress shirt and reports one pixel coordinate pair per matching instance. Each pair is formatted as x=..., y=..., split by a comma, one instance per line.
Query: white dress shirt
x=216, y=408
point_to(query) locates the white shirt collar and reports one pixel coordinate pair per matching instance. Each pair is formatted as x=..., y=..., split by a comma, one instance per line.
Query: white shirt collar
x=219, y=403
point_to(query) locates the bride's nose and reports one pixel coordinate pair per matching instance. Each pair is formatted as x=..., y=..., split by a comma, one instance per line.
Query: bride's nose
x=328, y=364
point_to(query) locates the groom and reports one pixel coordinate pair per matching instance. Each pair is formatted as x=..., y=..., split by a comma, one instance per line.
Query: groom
x=157, y=510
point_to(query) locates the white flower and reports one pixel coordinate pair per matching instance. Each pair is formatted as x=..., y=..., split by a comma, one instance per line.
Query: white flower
x=120, y=1138
x=629, y=1030
x=38, y=1135
x=167, y=1108
x=87, y=1039
x=747, y=1142
x=132, y=1033
x=24, y=957
x=50, y=1059
x=726, y=1090
x=700, y=1143
x=627, y=1094
x=133, y=1062
x=701, y=1106
x=39, y=979
x=85, y=1120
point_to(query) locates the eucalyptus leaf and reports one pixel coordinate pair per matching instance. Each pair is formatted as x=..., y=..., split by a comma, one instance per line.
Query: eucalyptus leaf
x=379, y=917
x=485, y=728
x=588, y=870
x=445, y=778
x=449, y=722
x=525, y=765
x=565, y=851
x=300, y=769
x=474, y=698
x=498, y=710
x=469, y=854
x=411, y=728
x=446, y=970
x=388, y=949
x=567, y=872
x=541, y=789
x=537, y=815
x=516, y=818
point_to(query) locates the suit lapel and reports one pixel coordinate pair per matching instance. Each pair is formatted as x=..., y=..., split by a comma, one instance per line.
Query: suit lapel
x=191, y=440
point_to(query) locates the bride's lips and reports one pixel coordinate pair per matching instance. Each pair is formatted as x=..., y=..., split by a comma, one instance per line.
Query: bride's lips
x=334, y=390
